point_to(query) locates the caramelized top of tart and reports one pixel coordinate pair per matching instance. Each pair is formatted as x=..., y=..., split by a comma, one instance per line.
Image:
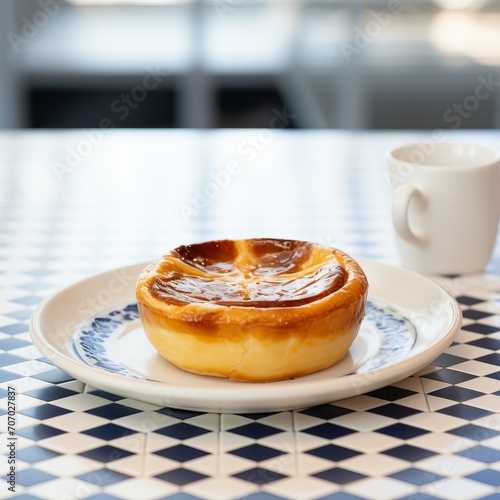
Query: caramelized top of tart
x=248, y=273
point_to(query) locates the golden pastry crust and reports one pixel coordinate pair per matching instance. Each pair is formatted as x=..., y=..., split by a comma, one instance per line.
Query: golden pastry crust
x=254, y=310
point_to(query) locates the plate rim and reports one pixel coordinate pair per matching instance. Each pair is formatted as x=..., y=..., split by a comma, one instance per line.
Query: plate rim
x=312, y=391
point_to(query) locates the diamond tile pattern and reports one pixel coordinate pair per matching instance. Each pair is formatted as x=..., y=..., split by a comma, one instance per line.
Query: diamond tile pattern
x=181, y=453
x=434, y=435
x=181, y=476
x=182, y=431
x=259, y=475
x=257, y=452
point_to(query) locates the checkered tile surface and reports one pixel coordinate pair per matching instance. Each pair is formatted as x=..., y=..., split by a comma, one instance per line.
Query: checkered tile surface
x=435, y=435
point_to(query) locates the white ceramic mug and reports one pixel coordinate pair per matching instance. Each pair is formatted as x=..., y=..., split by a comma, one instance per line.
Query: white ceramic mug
x=445, y=206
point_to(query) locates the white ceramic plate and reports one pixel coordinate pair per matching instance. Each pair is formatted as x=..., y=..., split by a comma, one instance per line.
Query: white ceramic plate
x=91, y=330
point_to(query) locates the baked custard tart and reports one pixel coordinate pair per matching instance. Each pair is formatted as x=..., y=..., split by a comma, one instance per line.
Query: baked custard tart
x=254, y=310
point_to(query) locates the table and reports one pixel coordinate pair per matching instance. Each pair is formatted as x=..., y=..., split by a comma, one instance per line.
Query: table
x=78, y=202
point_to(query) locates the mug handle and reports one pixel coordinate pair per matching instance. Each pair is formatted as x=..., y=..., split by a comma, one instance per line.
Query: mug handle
x=400, y=204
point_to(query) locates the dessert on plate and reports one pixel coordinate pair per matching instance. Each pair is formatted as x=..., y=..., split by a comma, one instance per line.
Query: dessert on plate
x=256, y=310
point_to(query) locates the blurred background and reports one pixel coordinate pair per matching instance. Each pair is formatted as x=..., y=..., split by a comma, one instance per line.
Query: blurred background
x=357, y=64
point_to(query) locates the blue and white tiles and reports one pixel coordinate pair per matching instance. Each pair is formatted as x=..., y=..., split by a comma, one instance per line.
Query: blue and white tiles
x=435, y=435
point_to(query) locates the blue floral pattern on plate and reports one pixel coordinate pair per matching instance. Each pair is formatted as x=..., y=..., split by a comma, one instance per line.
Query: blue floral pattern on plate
x=89, y=341
x=397, y=337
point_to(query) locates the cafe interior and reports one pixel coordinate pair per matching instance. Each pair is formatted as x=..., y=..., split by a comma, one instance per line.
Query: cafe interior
x=364, y=64
x=248, y=249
